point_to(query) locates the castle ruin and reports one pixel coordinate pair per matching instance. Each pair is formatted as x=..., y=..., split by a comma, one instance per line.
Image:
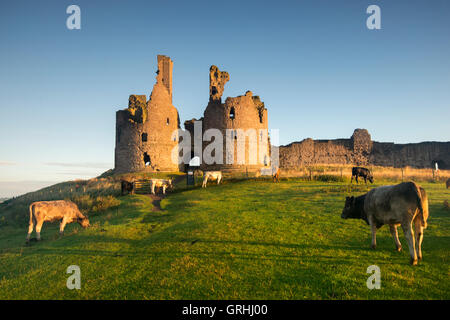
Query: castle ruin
x=147, y=135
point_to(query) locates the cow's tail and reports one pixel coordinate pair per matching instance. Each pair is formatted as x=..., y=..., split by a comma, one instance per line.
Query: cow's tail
x=422, y=203
x=31, y=213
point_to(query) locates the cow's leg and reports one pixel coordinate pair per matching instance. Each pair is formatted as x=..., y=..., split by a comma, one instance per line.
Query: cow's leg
x=365, y=179
x=351, y=180
x=153, y=188
x=38, y=229
x=394, y=233
x=205, y=180
x=356, y=179
x=62, y=225
x=218, y=180
x=419, y=237
x=30, y=230
x=409, y=235
x=373, y=227
x=164, y=189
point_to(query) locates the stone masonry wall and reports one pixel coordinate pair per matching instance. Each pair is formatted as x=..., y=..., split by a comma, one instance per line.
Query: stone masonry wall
x=361, y=150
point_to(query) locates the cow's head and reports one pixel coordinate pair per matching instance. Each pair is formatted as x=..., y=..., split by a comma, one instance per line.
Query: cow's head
x=84, y=222
x=350, y=211
x=370, y=177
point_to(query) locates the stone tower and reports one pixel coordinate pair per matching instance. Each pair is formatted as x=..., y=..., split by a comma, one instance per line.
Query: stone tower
x=244, y=113
x=146, y=132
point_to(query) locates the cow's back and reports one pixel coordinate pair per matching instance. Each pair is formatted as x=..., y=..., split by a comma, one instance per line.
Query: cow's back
x=213, y=174
x=391, y=204
x=54, y=210
x=160, y=182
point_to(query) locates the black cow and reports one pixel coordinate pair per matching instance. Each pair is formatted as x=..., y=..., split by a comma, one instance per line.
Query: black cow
x=127, y=186
x=361, y=172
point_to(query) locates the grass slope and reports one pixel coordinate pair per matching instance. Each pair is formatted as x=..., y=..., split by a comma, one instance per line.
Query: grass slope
x=240, y=240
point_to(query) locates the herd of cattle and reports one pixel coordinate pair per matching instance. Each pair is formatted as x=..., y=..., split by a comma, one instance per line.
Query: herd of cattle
x=404, y=204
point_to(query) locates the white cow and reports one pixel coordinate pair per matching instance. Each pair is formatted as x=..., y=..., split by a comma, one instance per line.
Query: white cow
x=161, y=183
x=212, y=175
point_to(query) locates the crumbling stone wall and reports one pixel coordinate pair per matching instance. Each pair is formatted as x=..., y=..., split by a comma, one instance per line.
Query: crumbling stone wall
x=217, y=81
x=419, y=155
x=144, y=131
x=361, y=150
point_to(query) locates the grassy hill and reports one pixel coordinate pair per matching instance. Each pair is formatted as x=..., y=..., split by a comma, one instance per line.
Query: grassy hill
x=245, y=239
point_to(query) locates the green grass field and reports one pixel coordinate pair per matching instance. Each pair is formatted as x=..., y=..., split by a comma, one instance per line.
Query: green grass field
x=241, y=240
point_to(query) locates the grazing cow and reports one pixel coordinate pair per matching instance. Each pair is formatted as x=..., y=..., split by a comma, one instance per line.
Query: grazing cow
x=60, y=210
x=127, y=186
x=447, y=183
x=361, y=172
x=276, y=175
x=403, y=204
x=211, y=175
x=161, y=183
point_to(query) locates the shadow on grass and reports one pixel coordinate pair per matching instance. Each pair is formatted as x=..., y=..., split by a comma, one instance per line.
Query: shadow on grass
x=191, y=246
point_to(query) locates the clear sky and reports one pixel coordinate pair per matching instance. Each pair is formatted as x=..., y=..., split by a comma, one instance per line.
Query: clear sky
x=319, y=70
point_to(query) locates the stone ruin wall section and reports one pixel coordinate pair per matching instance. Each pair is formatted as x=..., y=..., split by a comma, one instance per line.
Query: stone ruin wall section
x=359, y=151
x=242, y=112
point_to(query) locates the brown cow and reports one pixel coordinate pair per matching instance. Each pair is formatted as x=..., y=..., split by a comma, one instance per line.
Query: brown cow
x=447, y=183
x=276, y=176
x=405, y=204
x=60, y=210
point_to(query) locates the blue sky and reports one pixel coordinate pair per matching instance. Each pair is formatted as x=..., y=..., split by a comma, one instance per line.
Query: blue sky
x=319, y=70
